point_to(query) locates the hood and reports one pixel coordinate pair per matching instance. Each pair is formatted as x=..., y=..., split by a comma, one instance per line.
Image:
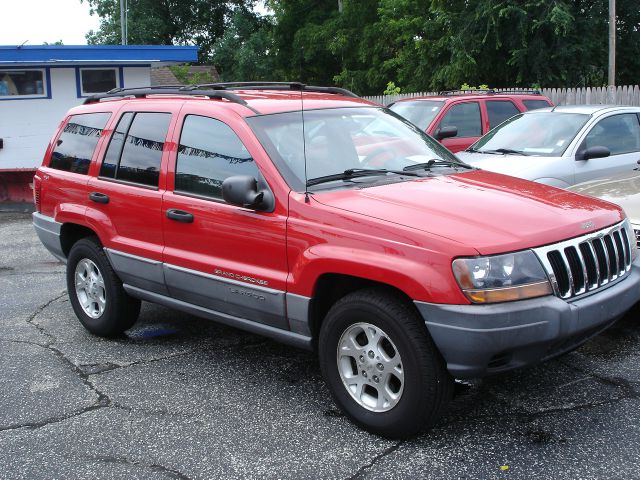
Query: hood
x=622, y=189
x=521, y=166
x=490, y=212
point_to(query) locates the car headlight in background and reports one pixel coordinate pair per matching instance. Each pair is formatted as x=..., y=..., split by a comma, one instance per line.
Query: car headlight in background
x=502, y=278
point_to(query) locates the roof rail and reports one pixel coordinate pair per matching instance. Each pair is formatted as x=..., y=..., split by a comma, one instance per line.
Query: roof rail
x=274, y=86
x=142, y=92
x=490, y=91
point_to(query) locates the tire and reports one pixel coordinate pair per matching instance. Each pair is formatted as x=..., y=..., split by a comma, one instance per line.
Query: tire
x=398, y=402
x=108, y=310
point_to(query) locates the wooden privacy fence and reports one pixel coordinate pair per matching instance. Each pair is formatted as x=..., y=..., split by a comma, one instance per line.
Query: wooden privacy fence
x=627, y=95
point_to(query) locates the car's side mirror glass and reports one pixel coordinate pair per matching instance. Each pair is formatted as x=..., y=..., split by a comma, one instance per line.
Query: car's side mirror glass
x=446, y=132
x=597, y=151
x=243, y=191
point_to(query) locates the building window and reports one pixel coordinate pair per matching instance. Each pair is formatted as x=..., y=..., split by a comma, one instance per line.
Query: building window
x=98, y=80
x=23, y=83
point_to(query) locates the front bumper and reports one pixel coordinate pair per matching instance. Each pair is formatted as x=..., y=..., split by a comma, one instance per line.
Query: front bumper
x=477, y=340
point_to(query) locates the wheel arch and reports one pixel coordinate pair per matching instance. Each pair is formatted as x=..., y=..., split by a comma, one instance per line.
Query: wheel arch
x=70, y=233
x=331, y=287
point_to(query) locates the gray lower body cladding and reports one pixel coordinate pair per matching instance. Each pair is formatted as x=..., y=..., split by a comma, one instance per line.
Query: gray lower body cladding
x=477, y=340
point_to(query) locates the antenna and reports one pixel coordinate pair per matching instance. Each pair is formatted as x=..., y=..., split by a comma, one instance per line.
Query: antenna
x=304, y=140
x=304, y=148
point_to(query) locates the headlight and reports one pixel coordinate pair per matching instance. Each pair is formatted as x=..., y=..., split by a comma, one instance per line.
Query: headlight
x=502, y=278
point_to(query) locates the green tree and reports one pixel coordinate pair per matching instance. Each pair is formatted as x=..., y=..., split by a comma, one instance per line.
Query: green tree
x=166, y=22
x=246, y=50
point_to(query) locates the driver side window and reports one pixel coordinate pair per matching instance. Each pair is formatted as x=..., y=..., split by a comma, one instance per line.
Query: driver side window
x=209, y=152
x=619, y=133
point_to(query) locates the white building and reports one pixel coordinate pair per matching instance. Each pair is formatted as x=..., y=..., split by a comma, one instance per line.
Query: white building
x=38, y=84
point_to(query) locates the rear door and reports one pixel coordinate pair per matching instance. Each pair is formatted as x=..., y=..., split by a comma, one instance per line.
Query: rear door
x=125, y=199
x=466, y=117
x=228, y=259
x=620, y=133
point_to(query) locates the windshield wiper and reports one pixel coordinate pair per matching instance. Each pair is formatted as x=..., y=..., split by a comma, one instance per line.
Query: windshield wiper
x=354, y=173
x=472, y=150
x=505, y=151
x=435, y=162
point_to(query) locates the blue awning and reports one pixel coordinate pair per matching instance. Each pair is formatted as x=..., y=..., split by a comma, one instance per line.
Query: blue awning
x=87, y=54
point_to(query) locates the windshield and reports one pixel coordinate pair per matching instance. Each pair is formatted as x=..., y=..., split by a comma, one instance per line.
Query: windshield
x=419, y=112
x=341, y=139
x=542, y=134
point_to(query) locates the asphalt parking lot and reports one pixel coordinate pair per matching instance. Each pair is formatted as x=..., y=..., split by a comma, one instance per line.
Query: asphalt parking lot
x=181, y=397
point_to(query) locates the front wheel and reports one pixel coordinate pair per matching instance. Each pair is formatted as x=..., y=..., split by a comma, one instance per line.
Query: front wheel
x=96, y=293
x=381, y=366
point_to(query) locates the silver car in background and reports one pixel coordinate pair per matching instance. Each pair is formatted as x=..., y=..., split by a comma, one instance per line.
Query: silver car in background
x=561, y=146
x=622, y=189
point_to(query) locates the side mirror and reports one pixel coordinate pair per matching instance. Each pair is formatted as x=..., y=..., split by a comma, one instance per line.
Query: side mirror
x=593, y=152
x=242, y=190
x=446, y=132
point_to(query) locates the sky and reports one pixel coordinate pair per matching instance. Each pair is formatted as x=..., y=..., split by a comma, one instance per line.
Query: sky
x=39, y=21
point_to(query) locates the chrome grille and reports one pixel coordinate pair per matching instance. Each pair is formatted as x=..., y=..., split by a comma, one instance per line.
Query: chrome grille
x=586, y=263
x=637, y=232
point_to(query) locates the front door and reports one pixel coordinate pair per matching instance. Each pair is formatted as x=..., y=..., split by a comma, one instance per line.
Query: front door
x=227, y=259
x=467, y=119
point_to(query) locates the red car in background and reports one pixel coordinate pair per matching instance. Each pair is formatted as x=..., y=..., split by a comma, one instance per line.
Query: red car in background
x=458, y=118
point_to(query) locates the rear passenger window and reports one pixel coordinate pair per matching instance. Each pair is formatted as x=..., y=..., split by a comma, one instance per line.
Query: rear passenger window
x=208, y=153
x=466, y=117
x=135, y=150
x=499, y=111
x=535, y=104
x=76, y=144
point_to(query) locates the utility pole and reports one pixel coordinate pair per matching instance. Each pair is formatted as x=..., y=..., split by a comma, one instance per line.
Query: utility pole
x=612, y=42
x=123, y=21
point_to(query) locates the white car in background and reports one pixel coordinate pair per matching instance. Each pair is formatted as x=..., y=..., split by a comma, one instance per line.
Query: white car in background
x=561, y=146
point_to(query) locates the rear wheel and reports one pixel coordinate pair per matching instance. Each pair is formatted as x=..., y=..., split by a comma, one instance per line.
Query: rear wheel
x=95, y=291
x=381, y=365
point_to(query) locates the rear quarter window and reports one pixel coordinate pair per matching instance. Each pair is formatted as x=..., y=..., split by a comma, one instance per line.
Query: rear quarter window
x=75, y=146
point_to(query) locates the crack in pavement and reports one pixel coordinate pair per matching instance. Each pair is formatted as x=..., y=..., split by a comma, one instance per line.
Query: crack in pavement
x=387, y=451
x=51, y=420
x=99, y=368
x=126, y=461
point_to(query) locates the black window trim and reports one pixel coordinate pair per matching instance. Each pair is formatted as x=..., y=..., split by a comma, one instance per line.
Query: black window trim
x=127, y=182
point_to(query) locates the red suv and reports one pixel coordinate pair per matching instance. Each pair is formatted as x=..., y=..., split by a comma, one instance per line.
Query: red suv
x=327, y=222
x=460, y=117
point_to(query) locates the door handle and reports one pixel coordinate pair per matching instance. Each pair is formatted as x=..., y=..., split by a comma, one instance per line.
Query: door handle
x=98, y=197
x=179, y=215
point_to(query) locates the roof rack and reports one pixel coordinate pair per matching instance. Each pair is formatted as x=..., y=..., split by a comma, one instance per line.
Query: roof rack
x=490, y=91
x=142, y=92
x=297, y=86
